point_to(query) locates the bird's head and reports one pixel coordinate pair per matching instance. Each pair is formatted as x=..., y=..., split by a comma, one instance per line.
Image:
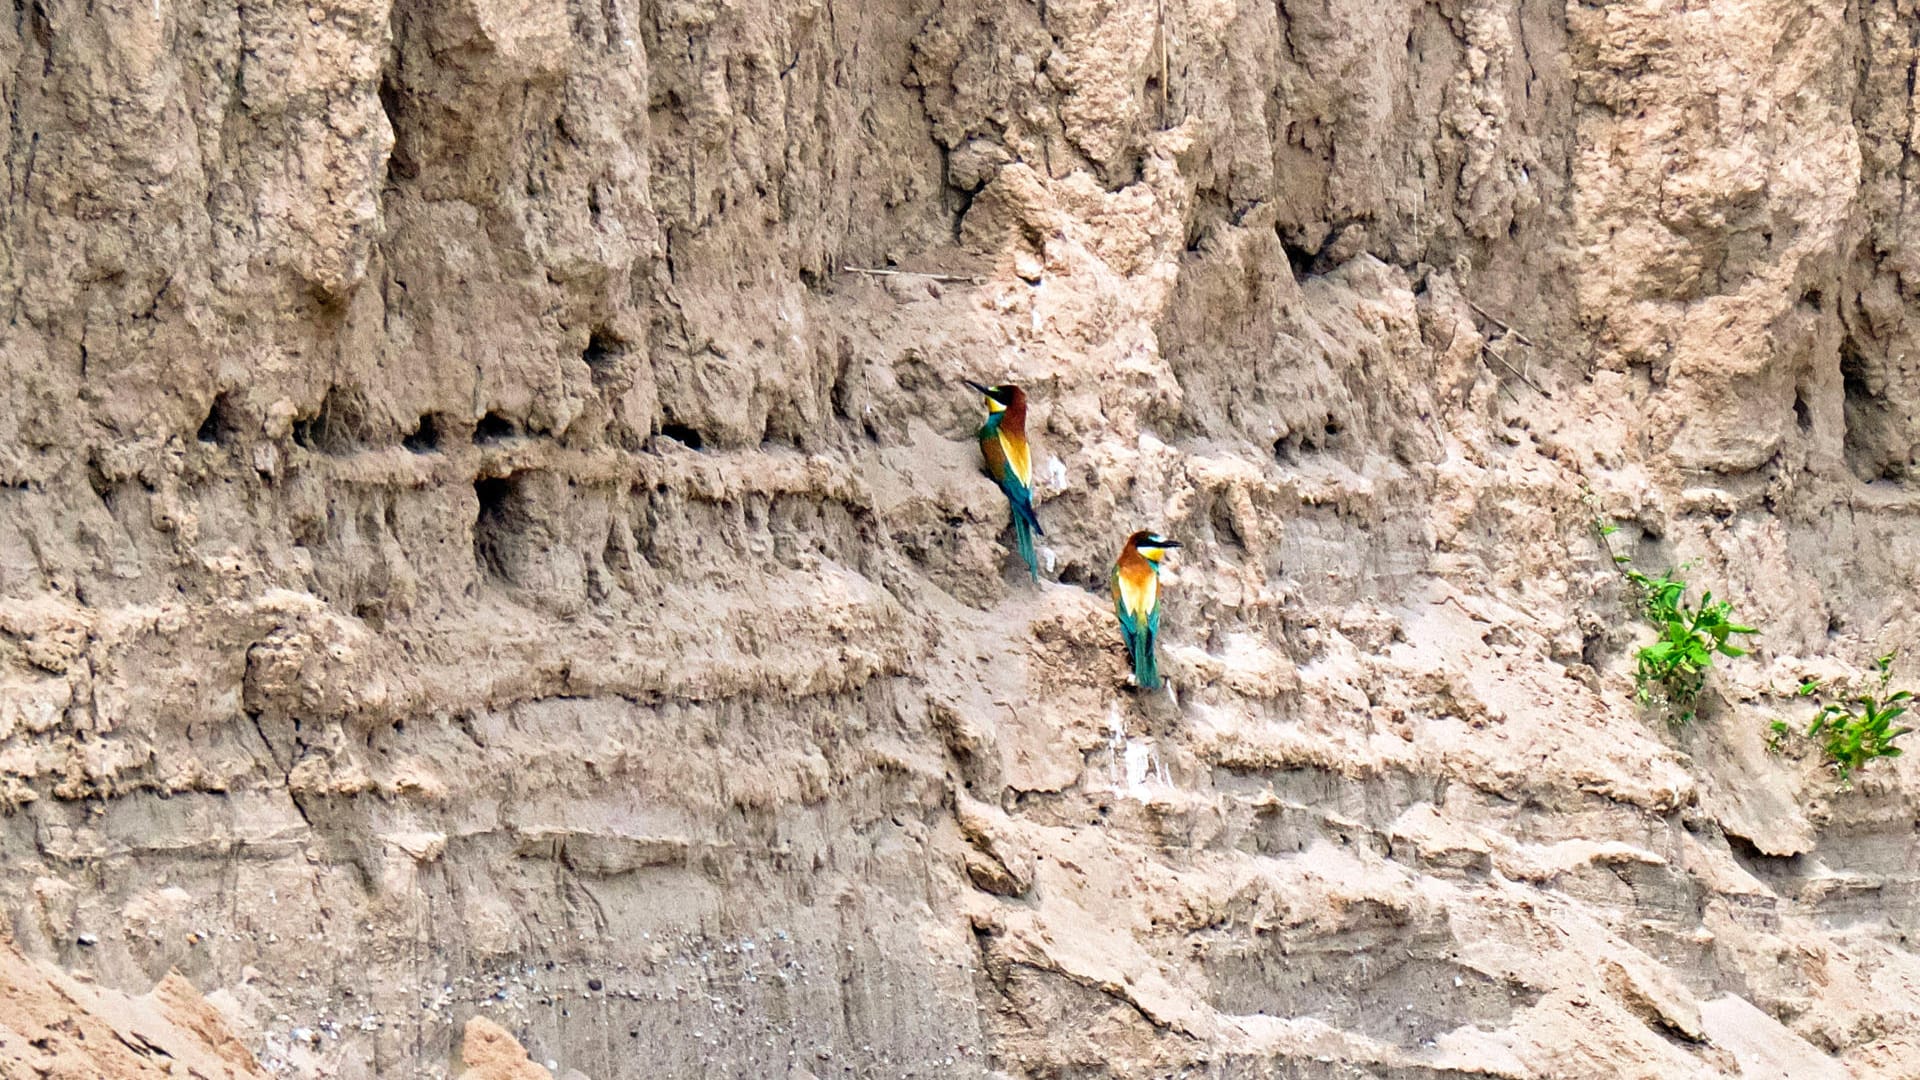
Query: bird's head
x=1151, y=545
x=1000, y=398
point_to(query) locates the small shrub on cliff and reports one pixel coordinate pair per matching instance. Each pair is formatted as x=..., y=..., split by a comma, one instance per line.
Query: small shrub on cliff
x=1673, y=669
x=1859, y=729
x=1777, y=734
x=1690, y=637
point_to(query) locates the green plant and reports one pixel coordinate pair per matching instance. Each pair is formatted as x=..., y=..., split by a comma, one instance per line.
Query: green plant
x=1674, y=667
x=1607, y=528
x=1777, y=734
x=1859, y=729
x=1690, y=636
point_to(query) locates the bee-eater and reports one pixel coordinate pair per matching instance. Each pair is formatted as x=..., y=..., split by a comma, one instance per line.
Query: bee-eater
x=1136, y=600
x=1003, y=441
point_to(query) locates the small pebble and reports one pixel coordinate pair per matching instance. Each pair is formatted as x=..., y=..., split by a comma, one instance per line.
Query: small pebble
x=593, y=984
x=87, y=939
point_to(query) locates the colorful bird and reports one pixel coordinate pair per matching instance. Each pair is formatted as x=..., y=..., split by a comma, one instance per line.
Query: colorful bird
x=1003, y=440
x=1136, y=600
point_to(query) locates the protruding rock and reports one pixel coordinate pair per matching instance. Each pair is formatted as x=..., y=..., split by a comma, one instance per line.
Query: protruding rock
x=490, y=1053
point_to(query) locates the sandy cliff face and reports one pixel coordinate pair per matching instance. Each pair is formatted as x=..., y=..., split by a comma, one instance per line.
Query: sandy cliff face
x=470, y=547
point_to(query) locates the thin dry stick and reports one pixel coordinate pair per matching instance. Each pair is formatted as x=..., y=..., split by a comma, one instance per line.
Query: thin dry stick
x=963, y=279
x=1486, y=349
x=1508, y=329
x=1600, y=527
x=1502, y=324
x=1166, y=109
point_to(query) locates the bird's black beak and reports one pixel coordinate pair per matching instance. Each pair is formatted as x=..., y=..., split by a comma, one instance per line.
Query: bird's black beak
x=1169, y=544
x=975, y=385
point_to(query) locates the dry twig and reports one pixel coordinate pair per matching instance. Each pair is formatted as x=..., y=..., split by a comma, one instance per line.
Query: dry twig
x=1502, y=324
x=1487, y=349
x=961, y=278
x=1507, y=330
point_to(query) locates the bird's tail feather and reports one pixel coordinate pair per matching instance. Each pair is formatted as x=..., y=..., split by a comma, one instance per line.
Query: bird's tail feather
x=1024, y=508
x=1023, y=526
x=1146, y=667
